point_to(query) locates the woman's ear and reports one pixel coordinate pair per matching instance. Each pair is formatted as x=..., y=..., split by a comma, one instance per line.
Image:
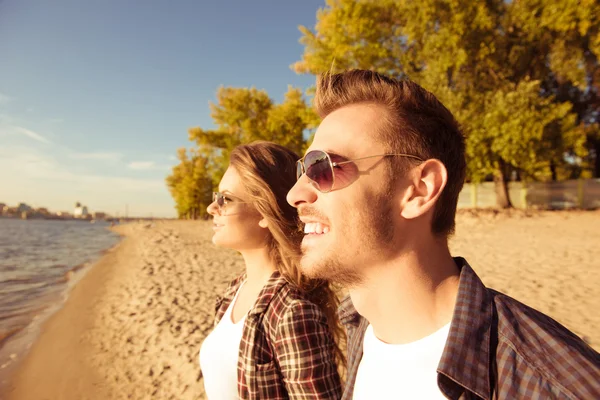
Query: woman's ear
x=263, y=223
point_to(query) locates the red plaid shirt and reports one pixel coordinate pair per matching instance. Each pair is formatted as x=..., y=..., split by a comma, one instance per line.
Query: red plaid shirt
x=287, y=351
x=497, y=348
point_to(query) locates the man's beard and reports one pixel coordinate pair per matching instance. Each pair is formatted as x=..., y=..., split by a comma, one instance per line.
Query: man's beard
x=373, y=234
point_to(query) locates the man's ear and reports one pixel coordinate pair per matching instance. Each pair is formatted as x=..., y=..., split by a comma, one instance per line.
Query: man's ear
x=263, y=223
x=427, y=181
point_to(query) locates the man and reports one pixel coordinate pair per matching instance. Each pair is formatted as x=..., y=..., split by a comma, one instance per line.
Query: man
x=377, y=192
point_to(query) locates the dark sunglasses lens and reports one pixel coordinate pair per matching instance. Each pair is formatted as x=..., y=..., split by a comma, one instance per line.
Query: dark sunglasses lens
x=218, y=197
x=318, y=169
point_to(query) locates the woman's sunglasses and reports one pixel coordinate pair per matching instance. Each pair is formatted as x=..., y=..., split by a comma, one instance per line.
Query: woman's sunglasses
x=319, y=168
x=222, y=200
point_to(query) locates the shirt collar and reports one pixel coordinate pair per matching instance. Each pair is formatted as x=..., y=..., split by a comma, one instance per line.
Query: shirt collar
x=275, y=283
x=347, y=313
x=468, y=356
x=229, y=294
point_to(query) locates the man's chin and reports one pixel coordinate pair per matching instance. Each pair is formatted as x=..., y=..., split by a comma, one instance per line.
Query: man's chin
x=313, y=267
x=309, y=269
x=329, y=270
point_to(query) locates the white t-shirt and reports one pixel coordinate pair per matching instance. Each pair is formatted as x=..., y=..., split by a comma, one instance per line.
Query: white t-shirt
x=400, y=371
x=219, y=356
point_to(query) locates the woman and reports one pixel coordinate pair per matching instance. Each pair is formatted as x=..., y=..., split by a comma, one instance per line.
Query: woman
x=275, y=330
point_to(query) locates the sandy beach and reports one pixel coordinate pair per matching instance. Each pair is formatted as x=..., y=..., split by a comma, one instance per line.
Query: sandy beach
x=132, y=327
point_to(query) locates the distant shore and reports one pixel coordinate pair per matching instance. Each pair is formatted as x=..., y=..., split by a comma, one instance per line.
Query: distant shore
x=54, y=217
x=132, y=327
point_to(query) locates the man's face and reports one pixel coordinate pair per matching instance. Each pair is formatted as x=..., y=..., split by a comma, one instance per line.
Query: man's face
x=351, y=227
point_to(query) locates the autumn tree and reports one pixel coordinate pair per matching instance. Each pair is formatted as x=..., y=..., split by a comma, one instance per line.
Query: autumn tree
x=241, y=115
x=190, y=184
x=505, y=69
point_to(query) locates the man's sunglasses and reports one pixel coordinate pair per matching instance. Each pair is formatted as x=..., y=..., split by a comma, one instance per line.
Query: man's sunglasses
x=319, y=168
x=222, y=200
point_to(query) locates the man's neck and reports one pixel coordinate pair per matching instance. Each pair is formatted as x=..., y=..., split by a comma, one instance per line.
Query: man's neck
x=411, y=296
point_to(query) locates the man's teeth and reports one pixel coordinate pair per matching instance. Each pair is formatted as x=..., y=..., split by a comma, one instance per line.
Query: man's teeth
x=315, y=227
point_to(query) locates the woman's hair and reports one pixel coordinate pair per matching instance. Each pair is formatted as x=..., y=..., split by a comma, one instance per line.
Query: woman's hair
x=268, y=172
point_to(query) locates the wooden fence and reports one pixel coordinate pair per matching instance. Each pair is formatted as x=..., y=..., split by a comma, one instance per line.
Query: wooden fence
x=582, y=194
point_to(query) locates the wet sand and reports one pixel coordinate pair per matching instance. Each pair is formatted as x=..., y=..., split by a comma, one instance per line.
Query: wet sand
x=132, y=327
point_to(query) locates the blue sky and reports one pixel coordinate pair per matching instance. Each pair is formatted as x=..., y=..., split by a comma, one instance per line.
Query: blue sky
x=97, y=95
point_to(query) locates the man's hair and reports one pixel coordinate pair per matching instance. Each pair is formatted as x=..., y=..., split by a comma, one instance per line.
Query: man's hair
x=416, y=123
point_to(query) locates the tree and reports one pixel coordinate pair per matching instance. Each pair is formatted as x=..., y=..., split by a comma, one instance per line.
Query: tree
x=241, y=115
x=520, y=130
x=569, y=33
x=476, y=56
x=190, y=184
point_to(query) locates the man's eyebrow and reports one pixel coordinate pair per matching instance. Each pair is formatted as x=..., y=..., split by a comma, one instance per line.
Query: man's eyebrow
x=335, y=154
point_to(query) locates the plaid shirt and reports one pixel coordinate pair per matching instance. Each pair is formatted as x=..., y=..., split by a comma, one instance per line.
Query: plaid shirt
x=287, y=351
x=497, y=348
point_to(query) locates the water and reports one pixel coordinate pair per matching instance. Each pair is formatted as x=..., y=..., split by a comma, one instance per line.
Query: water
x=39, y=259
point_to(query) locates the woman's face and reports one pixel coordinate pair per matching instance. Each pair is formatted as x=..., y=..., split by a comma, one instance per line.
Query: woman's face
x=237, y=224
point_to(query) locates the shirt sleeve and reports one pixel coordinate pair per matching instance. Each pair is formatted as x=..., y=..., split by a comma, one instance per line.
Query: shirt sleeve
x=304, y=349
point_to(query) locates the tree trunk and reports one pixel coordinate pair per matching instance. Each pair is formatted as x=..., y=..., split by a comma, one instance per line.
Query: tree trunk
x=501, y=184
x=553, y=171
x=596, y=145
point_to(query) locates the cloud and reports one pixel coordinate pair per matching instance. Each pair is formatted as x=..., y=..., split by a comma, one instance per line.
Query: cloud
x=6, y=119
x=31, y=134
x=55, y=121
x=105, y=156
x=4, y=98
x=142, y=165
x=147, y=166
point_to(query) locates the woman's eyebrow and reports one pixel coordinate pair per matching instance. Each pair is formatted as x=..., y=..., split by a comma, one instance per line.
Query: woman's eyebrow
x=230, y=194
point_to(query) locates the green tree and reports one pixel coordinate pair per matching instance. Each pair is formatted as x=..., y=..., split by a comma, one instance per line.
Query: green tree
x=519, y=130
x=240, y=115
x=477, y=56
x=190, y=184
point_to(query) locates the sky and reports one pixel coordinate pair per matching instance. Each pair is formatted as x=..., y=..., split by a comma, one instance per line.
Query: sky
x=96, y=96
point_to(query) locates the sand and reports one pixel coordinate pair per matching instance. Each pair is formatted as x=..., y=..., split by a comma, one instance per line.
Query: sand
x=132, y=327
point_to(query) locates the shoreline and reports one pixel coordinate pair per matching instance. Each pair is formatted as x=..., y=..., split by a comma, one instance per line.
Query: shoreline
x=133, y=325
x=40, y=332
x=17, y=341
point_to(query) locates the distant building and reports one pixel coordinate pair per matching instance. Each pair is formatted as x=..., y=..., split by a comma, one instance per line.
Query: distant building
x=64, y=214
x=42, y=211
x=99, y=215
x=23, y=208
x=80, y=211
x=3, y=208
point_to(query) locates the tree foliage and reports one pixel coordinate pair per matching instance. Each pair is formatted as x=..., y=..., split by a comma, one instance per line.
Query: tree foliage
x=522, y=77
x=240, y=115
x=190, y=183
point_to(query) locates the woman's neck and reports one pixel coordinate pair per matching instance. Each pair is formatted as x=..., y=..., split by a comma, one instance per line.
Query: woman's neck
x=259, y=266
